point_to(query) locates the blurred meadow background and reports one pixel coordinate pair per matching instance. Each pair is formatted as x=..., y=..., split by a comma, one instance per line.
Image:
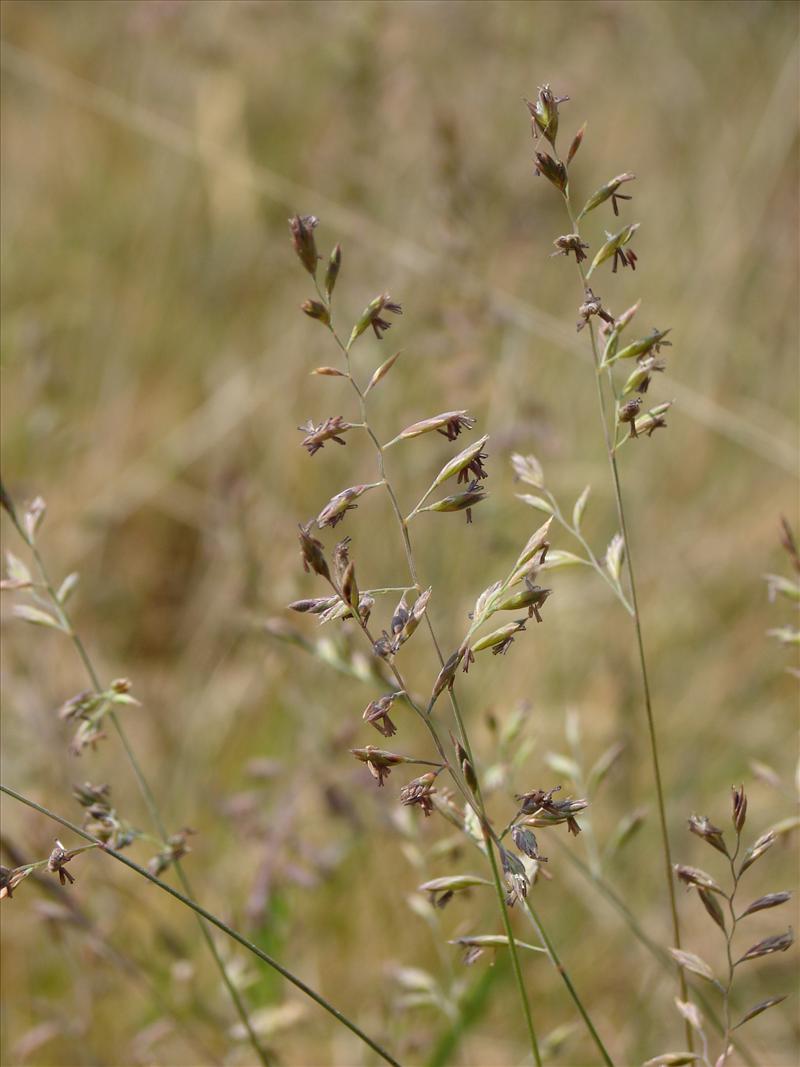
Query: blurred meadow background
x=155, y=370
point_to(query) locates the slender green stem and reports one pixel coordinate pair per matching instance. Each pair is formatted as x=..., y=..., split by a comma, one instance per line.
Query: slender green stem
x=417, y=507
x=512, y=944
x=637, y=621
x=704, y=1048
x=210, y=918
x=389, y=589
x=143, y=784
x=362, y=399
x=551, y=952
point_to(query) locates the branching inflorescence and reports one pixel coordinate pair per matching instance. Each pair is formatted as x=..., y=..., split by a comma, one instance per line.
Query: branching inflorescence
x=723, y=909
x=517, y=593
x=627, y=420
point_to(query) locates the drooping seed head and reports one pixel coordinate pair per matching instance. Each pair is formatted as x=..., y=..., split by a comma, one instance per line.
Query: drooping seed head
x=526, y=842
x=88, y=795
x=500, y=640
x=615, y=246
x=378, y=761
x=651, y=420
x=639, y=379
x=515, y=877
x=592, y=305
x=577, y=140
x=468, y=464
x=446, y=676
x=609, y=190
x=653, y=342
x=350, y=585
x=570, y=242
x=531, y=597
x=693, y=876
x=464, y=501
x=412, y=619
x=628, y=411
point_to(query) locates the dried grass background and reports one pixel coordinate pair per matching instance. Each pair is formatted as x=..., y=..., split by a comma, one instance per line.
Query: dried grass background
x=155, y=368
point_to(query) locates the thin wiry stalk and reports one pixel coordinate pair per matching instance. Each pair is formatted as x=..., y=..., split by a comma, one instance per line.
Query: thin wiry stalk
x=637, y=622
x=143, y=784
x=554, y=959
x=490, y=838
x=210, y=918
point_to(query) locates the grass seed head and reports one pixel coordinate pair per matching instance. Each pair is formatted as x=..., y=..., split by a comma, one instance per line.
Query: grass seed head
x=302, y=229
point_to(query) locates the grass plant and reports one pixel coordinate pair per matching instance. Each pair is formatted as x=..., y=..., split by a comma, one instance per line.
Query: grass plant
x=483, y=882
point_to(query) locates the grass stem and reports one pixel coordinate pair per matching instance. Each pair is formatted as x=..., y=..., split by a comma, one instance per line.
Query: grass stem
x=554, y=959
